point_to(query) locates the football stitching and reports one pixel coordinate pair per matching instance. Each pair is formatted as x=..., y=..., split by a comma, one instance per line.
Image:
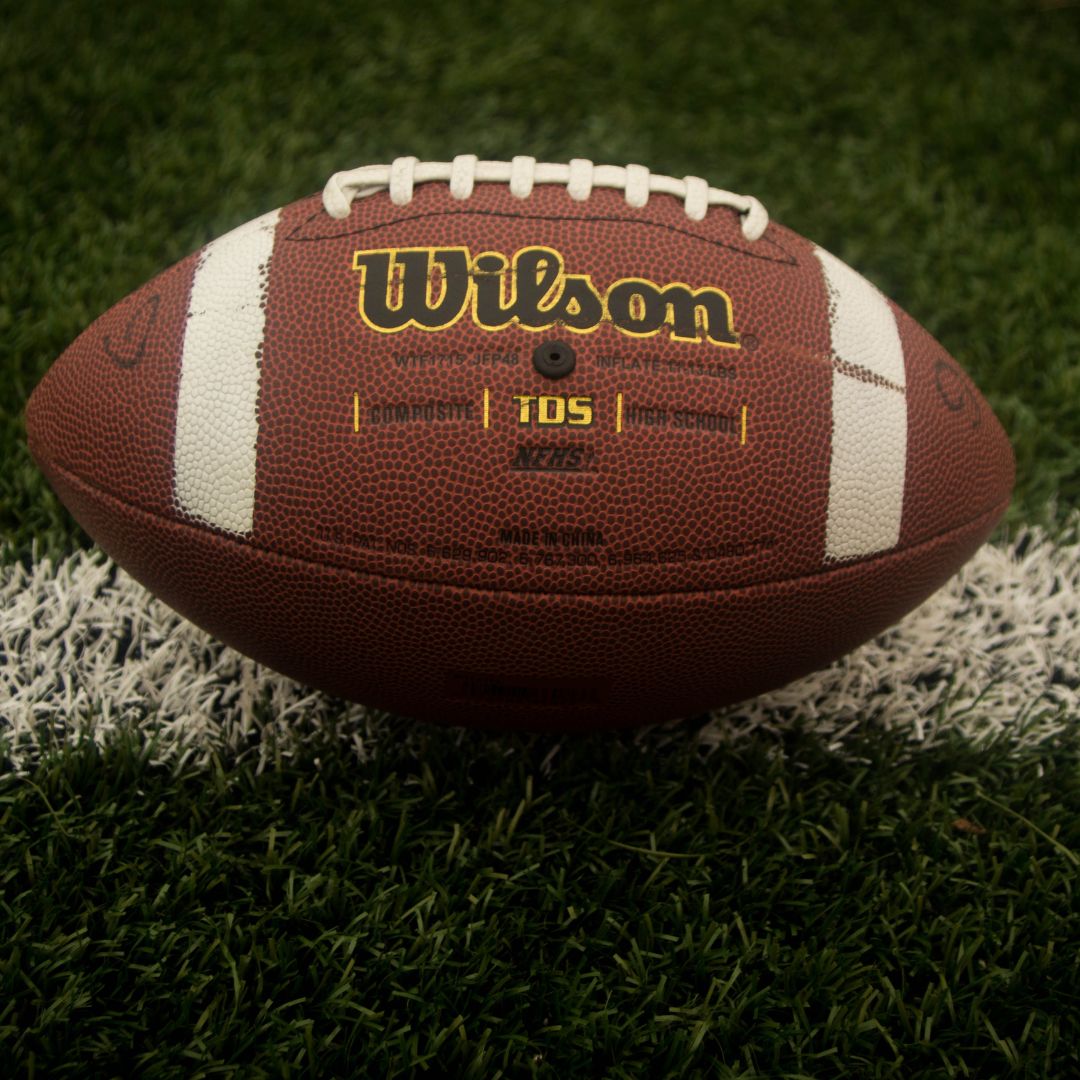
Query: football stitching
x=786, y=258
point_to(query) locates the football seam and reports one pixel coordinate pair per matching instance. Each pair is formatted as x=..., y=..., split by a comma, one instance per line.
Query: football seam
x=785, y=259
x=863, y=374
x=837, y=566
x=831, y=360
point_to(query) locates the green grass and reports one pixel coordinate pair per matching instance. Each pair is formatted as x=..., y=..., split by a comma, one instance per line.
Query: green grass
x=644, y=909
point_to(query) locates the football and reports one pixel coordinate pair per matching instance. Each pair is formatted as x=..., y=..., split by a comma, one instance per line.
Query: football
x=518, y=444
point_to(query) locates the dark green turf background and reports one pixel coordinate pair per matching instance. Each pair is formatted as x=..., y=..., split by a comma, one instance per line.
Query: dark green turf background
x=445, y=904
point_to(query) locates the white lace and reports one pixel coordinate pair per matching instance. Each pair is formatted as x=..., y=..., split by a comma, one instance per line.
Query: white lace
x=522, y=173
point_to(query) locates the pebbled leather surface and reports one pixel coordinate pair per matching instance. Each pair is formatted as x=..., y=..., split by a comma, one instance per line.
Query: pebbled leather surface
x=408, y=563
x=498, y=658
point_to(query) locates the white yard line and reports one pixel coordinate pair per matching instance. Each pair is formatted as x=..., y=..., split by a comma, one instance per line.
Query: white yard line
x=84, y=651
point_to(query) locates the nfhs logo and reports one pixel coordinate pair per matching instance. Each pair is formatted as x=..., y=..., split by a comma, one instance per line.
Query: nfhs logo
x=433, y=288
x=554, y=459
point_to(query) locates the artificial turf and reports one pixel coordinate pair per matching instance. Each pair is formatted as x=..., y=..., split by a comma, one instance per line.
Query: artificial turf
x=484, y=907
x=478, y=905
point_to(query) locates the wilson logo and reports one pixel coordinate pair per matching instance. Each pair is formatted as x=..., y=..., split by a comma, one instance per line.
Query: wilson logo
x=433, y=288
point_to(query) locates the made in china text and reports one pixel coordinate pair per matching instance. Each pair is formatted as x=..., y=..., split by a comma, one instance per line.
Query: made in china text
x=431, y=288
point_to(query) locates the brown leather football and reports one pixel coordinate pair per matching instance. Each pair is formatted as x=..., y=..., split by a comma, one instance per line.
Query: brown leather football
x=522, y=444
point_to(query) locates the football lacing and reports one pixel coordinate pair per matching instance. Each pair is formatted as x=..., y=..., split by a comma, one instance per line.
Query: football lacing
x=522, y=173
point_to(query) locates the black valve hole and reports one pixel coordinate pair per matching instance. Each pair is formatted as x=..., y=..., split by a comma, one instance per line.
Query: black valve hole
x=554, y=359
